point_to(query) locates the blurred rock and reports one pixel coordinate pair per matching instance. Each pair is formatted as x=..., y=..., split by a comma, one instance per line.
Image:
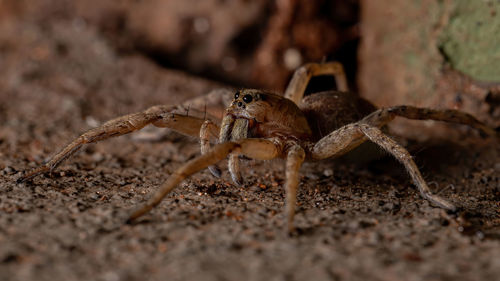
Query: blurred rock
x=409, y=60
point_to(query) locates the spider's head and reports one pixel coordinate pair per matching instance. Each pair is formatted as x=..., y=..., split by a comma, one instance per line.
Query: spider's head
x=249, y=104
x=246, y=109
x=264, y=114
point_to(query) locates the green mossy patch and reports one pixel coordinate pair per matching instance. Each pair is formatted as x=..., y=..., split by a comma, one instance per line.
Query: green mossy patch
x=471, y=40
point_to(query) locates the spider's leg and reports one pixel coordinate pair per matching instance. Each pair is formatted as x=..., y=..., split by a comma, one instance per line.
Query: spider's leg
x=403, y=156
x=385, y=115
x=298, y=84
x=295, y=157
x=161, y=116
x=348, y=137
x=253, y=148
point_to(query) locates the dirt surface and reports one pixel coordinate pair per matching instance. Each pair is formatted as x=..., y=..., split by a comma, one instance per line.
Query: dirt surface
x=355, y=222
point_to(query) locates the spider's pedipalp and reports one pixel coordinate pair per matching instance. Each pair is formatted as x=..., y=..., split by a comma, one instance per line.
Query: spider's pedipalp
x=239, y=132
x=209, y=130
x=252, y=148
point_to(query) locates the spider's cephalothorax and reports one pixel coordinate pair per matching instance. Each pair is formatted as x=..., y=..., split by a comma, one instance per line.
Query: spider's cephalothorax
x=261, y=125
x=268, y=115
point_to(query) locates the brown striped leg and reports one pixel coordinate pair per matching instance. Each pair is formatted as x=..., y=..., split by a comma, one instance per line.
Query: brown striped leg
x=348, y=137
x=298, y=84
x=252, y=148
x=160, y=116
x=385, y=115
x=295, y=157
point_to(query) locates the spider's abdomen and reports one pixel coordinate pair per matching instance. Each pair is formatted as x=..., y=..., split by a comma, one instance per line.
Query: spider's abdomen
x=328, y=111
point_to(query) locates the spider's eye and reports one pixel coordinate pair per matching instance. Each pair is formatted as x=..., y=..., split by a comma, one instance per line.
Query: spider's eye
x=247, y=98
x=237, y=95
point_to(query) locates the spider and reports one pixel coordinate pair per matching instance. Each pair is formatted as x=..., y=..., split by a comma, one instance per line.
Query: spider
x=262, y=125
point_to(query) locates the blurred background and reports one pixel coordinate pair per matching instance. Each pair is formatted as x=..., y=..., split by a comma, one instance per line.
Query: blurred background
x=428, y=53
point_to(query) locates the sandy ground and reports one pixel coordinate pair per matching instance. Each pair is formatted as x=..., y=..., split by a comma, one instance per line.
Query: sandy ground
x=355, y=222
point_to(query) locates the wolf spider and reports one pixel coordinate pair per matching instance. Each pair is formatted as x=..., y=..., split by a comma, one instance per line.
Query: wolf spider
x=262, y=125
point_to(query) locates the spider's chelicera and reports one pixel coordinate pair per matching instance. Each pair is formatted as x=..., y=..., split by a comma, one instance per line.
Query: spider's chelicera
x=262, y=125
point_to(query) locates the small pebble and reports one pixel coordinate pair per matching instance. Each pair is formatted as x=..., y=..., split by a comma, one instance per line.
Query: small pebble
x=389, y=206
x=292, y=58
x=328, y=173
x=97, y=157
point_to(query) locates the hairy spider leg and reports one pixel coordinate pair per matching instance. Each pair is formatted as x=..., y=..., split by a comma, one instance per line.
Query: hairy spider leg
x=261, y=149
x=160, y=116
x=300, y=80
x=350, y=136
x=385, y=115
x=295, y=158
